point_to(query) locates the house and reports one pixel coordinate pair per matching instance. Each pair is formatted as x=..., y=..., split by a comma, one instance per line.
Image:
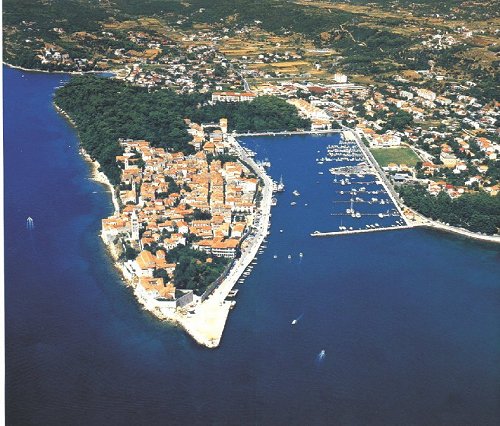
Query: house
x=218, y=247
x=426, y=94
x=233, y=96
x=449, y=160
x=146, y=263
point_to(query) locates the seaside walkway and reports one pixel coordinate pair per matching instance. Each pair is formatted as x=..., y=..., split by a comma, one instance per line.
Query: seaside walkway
x=207, y=324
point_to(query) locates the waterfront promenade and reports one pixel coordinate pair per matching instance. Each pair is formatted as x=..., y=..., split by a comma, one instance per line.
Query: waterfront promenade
x=206, y=324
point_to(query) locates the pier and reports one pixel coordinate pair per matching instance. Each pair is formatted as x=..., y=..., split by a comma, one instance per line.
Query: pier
x=289, y=133
x=359, y=231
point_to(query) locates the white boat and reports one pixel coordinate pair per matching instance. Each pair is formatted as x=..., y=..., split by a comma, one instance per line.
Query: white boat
x=275, y=257
x=296, y=193
x=293, y=203
x=301, y=254
x=289, y=256
x=294, y=322
x=30, y=225
x=322, y=354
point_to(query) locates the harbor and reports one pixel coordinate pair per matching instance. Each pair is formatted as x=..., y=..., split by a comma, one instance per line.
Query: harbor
x=360, y=184
x=77, y=342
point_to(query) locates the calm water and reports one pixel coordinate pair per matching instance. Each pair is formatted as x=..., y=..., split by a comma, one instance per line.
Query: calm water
x=409, y=320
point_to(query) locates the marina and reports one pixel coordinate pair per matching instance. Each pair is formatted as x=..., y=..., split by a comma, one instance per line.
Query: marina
x=356, y=182
x=358, y=178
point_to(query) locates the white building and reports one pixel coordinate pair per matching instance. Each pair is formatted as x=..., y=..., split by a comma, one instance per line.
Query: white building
x=340, y=78
x=426, y=94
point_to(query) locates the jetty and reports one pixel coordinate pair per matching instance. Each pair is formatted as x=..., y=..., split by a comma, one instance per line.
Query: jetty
x=359, y=231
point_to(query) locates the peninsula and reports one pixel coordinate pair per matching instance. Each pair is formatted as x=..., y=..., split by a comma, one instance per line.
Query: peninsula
x=190, y=206
x=187, y=226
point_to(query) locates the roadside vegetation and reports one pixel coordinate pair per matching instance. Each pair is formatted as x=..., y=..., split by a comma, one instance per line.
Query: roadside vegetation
x=476, y=212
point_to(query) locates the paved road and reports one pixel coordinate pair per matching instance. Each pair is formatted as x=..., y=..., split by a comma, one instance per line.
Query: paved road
x=383, y=177
x=221, y=292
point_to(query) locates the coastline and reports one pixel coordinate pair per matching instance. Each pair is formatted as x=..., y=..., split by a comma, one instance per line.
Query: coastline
x=206, y=325
x=206, y=322
x=421, y=220
x=101, y=178
x=424, y=222
x=35, y=70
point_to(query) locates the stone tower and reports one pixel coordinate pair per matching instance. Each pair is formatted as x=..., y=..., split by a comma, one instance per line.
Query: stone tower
x=223, y=124
x=134, y=225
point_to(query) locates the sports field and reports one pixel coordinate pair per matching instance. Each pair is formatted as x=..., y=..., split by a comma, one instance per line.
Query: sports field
x=403, y=155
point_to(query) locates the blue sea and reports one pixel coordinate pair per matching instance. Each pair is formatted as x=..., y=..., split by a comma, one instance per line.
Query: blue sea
x=409, y=320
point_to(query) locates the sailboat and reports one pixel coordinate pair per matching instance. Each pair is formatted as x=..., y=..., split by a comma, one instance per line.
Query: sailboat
x=278, y=186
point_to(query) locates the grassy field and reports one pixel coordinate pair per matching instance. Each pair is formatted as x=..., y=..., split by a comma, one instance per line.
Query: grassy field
x=384, y=156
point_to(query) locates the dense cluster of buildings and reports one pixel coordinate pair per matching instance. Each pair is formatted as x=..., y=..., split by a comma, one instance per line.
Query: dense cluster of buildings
x=169, y=199
x=454, y=134
x=461, y=149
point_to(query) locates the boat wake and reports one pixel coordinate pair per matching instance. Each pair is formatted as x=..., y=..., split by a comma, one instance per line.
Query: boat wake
x=296, y=320
x=321, y=357
x=30, y=224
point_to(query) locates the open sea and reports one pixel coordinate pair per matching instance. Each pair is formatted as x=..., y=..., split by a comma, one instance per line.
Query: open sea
x=409, y=320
